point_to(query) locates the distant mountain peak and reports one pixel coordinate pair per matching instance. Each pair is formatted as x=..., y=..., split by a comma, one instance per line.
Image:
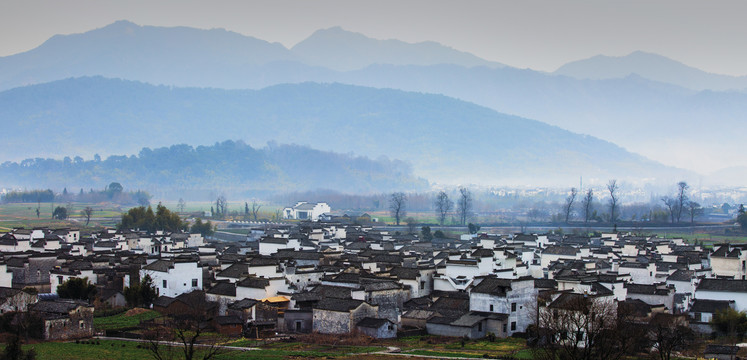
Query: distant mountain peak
x=651, y=66
x=346, y=50
x=335, y=33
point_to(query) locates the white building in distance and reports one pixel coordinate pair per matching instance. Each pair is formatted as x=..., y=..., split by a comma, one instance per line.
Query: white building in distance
x=306, y=211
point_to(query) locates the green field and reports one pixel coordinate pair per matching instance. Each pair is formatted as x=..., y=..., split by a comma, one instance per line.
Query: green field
x=707, y=238
x=452, y=347
x=122, y=321
x=128, y=350
x=24, y=215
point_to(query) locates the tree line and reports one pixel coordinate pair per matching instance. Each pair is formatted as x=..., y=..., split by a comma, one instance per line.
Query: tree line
x=145, y=219
x=114, y=192
x=442, y=204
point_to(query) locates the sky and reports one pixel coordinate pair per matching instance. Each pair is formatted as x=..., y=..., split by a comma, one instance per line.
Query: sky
x=541, y=35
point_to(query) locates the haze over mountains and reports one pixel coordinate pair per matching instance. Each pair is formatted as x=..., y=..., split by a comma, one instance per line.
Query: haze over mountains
x=445, y=139
x=661, y=114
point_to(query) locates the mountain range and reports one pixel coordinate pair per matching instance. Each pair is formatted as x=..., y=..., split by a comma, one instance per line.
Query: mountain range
x=643, y=102
x=445, y=139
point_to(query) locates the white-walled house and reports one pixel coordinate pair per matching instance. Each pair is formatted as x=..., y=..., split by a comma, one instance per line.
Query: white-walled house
x=515, y=298
x=59, y=276
x=723, y=289
x=271, y=245
x=306, y=211
x=6, y=278
x=729, y=260
x=174, y=277
x=639, y=273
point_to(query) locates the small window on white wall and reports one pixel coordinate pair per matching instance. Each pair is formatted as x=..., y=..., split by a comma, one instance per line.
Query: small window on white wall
x=194, y=282
x=165, y=284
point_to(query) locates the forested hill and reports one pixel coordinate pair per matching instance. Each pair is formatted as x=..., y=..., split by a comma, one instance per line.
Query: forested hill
x=230, y=166
x=445, y=139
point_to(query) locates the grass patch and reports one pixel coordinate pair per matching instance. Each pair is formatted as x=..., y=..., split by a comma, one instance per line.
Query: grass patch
x=107, y=349
x=127, y=350
x=444, y=354
x=507, y=345
x=122, y=321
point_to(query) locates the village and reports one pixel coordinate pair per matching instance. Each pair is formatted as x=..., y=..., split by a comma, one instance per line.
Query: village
x=338, y=275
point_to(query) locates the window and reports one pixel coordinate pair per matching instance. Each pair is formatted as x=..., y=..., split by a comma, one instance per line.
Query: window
x=299, y=325
x=505, y=328
x=165, y=284
x=194, y=282
x=81, y=324
x=698, y=316
x=491, y=307
x=513, y=307
x=513, y=326
x=479, y=326
x=59, y=279
x=422, y=284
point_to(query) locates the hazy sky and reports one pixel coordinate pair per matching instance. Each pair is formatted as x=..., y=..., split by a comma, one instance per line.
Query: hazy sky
x=540, y=35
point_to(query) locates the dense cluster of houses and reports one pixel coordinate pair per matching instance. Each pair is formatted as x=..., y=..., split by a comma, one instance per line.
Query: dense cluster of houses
x=336, y=278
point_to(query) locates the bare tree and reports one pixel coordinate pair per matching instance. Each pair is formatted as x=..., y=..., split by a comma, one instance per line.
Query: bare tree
x=181, y=205
x=87, y=212
x=693, y=209
x=681, y=198
x=579, y=326
x=464, y=205
x=443, y=206
x=671, y=204
x=612, y=187
x=670, y=333
x=535, y=214
x=221, y=205
x=255, y=209
x=398, y=205
x=588, y=203
x=411, y=225
x=568, y=207
x=187, y=328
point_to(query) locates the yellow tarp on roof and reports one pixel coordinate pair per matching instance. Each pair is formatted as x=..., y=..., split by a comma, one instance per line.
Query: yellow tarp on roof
x=275, y=299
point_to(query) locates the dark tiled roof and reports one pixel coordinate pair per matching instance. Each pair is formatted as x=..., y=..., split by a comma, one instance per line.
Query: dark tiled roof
x=723, y=285
x=404, y=273
x=159, y=265
x=57, y=306
x=710, y=306
x=545, y=284
x=339, y=305
x=163, y=301
x=480, y=253
x=223, y=288
x=682, y=275
x=647, y=289
x=373, y=323
x=243, y=304
x=380, y=286
x=235, y=271
x=256, y=283
x=493, y=286
x=561, y=250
